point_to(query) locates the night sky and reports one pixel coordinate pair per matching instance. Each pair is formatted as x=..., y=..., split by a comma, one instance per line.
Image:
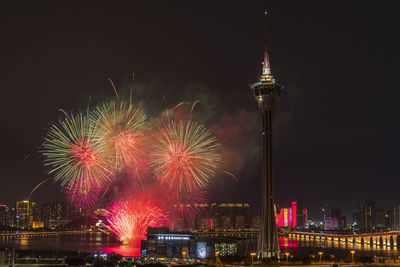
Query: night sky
x=337, y=125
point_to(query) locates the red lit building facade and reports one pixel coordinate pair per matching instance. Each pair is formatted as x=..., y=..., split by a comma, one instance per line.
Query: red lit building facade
x=294, y=216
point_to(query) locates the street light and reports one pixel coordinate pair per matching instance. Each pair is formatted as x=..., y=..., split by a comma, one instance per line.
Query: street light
x=320, y=255
x=252, y=256
x=287, y=256
x=352, y=255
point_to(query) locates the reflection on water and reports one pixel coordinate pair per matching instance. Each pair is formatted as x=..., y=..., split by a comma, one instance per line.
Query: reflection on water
x=126, y=250
x=92, y=242
x=99, y=242
x=304, y=248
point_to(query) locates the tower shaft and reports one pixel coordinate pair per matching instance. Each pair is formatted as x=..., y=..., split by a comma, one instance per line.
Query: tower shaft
x=268, y=246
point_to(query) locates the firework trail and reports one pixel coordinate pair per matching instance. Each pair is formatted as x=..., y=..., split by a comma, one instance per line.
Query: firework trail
x=36, y=187
x=119, y=133
x=129, y=220
x=184, y=156
x=72, y=155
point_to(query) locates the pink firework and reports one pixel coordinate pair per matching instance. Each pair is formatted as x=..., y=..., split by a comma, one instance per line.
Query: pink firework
x=83, y=153
x=119, y=132
x=72, y=154
x=129, y=220
x=83, y=194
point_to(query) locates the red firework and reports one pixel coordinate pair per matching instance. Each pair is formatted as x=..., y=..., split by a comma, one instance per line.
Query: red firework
x=83, y=194
x=119, y=133
x=129, y=220
x=83, y=153
x=184, y=156
x=129, y=148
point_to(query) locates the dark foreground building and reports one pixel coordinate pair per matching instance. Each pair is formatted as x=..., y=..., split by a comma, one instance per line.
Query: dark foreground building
x=162, y=243
x=7, y=257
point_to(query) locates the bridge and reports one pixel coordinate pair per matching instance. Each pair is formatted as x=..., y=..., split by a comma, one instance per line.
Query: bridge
x=389, y=239
x=46, y=233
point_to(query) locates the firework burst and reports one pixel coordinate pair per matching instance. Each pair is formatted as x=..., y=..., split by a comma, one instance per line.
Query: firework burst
x=129, y=220
x=119, y=132
x=184, y=156
x=83, y=195
x=72, y=155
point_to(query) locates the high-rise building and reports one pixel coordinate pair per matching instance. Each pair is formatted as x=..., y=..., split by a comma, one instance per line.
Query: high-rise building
x=366, y=216
x=396, y=217
x=55, y=214
x=240, y=222
x=371, y=218
x=219, y=216
x=301, y=219
x=336, y=213
x=388, y=220
x=379, y=222
x=256, y=222
x=4, y=215
x=293, y=217
x=24, y=210
x=267, y=93
x=325, y=212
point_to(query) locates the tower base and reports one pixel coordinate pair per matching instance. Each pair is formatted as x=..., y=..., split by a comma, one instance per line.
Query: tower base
x=268, y=255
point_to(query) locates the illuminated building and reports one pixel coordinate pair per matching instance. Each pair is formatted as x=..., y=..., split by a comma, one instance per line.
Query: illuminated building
x=285, y=217
x=220, y=216
x=366, y=214
x=22, y=208
x=305, y=216
x=294, y=214
x=226, y=249
x=23, y=213
x=55, y=214
x=267, y=94
x=289, y=217
x=371, y=218
x=37, y=224
x=163, y=243
x=331, y=223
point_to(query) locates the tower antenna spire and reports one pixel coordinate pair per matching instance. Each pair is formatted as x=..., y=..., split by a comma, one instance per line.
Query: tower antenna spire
x=266, y=63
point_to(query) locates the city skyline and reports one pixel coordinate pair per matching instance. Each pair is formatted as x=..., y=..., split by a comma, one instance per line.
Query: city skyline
x=335, y=134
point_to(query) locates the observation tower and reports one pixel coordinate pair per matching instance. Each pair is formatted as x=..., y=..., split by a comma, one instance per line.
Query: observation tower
x=267, y=93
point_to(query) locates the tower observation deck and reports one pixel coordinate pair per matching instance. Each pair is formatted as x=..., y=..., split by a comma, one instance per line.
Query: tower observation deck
x=267, y=93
